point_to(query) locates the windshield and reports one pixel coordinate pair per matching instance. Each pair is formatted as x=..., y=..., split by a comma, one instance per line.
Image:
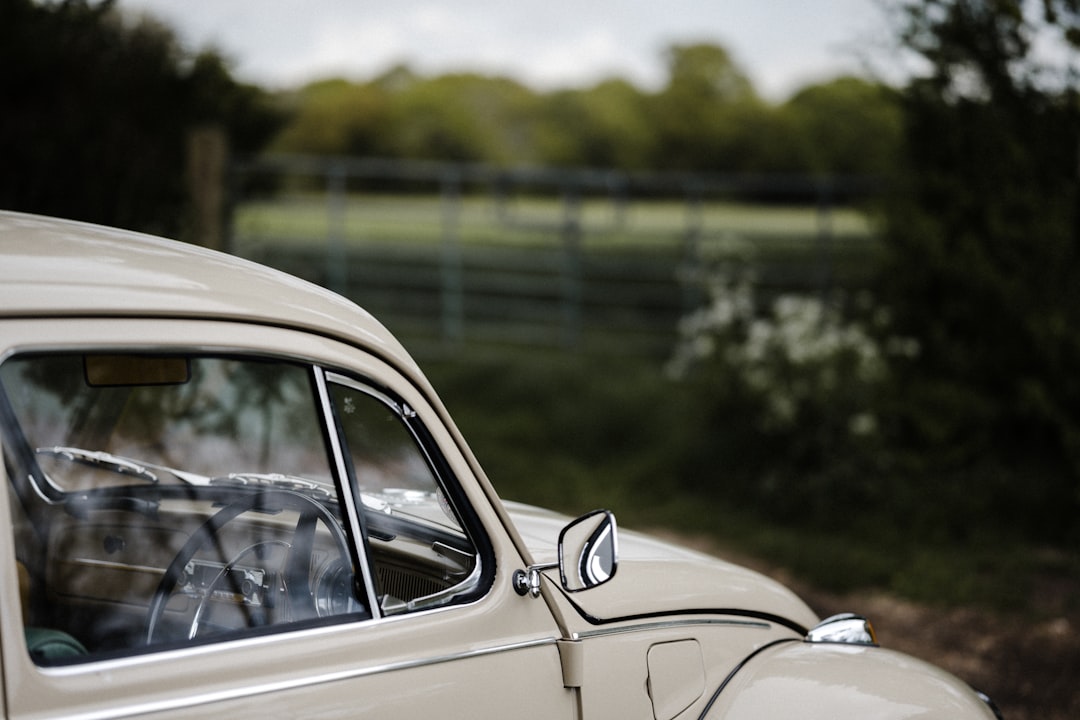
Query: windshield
x=166, y=420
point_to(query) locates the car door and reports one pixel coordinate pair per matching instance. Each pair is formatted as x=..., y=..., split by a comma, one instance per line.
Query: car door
x=400, y=604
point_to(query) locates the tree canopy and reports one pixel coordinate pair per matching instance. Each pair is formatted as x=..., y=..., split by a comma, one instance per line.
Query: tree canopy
x=984, y=241
x=707, y=118
x=97, y=108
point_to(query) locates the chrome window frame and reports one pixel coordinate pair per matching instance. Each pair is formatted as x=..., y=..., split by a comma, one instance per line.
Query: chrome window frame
x=346, y=489
x=473, y=586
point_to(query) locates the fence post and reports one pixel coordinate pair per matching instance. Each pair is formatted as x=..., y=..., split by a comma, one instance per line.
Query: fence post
x=571, y=266
x=336, y=272
x=692, y=271
x=453, y=301
x=825, y=238
x=618, y=193
x=207, y=162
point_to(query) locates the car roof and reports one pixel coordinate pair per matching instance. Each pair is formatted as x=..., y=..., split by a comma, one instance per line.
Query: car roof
x=62, y=268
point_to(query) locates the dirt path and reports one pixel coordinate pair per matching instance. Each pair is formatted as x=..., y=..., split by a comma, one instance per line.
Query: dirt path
x=1030, y=668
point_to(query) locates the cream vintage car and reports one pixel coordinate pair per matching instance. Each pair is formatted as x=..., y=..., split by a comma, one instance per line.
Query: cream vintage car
x=231, y=493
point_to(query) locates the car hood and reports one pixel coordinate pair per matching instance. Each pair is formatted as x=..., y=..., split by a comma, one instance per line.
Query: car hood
x=691, y=582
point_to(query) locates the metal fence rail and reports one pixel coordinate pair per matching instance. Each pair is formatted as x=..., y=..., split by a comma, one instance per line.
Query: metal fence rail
x=448, y=254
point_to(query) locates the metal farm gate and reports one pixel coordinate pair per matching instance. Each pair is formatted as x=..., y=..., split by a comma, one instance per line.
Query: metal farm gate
x=577, y=260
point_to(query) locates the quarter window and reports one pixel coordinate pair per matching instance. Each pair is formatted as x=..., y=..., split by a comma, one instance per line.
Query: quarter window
x=420, y=551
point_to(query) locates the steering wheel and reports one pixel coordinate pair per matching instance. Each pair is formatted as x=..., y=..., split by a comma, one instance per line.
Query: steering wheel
x=301, y=602
x=226, y=574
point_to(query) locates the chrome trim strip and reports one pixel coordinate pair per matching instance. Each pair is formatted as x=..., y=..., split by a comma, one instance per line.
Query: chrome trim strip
x=254, y=690
x=845, y=628
x=668, y=625
x=122, y=663
x=346, y=489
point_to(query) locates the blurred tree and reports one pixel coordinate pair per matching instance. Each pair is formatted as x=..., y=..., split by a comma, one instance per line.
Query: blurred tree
x=708, y=116
x=708, y=73
x=336, y=117
x=463, y=117
x=604, y=126
x=214, y=97
x=97, y=109
x=848, y=126
x=984, y=242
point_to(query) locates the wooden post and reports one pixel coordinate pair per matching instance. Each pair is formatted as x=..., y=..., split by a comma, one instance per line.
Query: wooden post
x=692, y=270
x=825, y=239
x=207, y=157
x=336, y=210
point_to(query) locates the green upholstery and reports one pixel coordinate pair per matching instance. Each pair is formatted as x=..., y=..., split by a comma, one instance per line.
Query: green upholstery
x=48, y=647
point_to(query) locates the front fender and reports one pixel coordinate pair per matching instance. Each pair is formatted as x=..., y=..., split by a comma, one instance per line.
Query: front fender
x=827, y=681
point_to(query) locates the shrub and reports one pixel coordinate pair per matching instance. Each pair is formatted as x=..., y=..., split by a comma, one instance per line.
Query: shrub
x=802, y=388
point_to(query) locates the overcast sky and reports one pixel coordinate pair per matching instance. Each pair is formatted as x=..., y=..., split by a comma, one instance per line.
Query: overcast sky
x=781, y=44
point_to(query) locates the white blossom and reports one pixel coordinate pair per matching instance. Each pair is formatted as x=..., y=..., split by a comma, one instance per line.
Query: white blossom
x=801, y=350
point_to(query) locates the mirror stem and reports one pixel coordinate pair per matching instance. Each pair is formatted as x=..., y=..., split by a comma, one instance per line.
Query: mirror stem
x=527, y=581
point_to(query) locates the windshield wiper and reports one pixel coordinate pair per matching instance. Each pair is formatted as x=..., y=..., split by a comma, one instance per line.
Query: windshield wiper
x=99, y=459
x=120, y=465
x=274, y=480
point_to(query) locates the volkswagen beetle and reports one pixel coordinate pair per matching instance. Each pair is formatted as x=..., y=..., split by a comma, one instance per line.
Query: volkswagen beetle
x=232, y=493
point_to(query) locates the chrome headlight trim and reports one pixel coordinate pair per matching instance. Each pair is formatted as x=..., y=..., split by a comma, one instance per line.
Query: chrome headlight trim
x=990, y=704
x=846, y=628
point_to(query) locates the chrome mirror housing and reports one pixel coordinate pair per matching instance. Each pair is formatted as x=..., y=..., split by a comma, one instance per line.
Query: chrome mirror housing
x=588, y=551
x=588, y=556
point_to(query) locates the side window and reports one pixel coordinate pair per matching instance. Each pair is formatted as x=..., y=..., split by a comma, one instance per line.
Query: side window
x=422, y=555
x=165, y=500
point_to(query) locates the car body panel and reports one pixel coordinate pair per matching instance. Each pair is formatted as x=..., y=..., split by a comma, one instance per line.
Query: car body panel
x=119, y=273
x=827, y=681
x=673, y=634
x=634, y=669
x=686, y=576
x=315, y=674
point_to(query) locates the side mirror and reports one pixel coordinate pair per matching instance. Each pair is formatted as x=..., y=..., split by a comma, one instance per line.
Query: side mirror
x=588, y=551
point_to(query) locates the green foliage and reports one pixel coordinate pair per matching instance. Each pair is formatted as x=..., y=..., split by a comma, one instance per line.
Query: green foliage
x=97, y=110
x=463, y=118
x=336, y=117
x=846, y=127
x=797, y=392
x=984, y=242
x=567, y=433
x=706, y=118
x=707, y=115
x=980, y=49
x=578, y=433
x=605, y=126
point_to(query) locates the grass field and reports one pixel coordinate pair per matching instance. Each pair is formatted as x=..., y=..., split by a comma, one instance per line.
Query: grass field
x=427, y=219
x=544, y=271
